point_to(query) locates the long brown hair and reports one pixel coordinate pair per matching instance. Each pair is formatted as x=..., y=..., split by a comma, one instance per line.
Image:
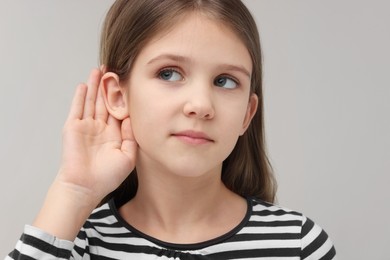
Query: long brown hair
x=130, y=24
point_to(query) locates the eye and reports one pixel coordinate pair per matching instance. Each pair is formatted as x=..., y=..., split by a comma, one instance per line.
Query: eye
x=225, y=82
x=170, y=75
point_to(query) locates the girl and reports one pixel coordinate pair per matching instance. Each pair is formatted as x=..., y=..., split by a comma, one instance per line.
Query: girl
x=171, y=128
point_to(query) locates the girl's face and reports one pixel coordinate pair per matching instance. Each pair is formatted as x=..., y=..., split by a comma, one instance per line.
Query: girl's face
x=189, y=97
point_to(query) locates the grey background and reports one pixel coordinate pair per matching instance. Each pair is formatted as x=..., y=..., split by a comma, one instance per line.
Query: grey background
x=327, y=93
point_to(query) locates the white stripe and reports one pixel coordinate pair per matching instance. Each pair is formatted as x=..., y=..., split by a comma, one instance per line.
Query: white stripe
x=111, y=230
x=256, y=244
x=123, y=255
x=119, y=240
x=111, y=219
x=270, y=230
x=270, y=218
x=48, y=238
x=272, y=208
x=103, y=207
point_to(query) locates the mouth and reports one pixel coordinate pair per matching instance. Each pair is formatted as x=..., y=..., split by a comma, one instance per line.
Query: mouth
x=193, y=137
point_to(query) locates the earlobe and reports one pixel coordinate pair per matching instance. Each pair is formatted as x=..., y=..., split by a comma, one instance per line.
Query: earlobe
x=114, y=96
x=250, y=112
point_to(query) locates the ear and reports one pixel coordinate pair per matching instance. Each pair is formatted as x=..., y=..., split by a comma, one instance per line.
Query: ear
x=114, y=96
x=250, y=112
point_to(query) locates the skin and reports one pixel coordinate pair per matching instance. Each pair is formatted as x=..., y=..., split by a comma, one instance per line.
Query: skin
x=176, y=119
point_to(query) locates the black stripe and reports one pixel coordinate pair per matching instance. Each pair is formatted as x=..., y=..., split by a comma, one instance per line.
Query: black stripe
x=82, y=235
x=279, y=212
x=330, y=255
x=45, y=247
x=93, y=241
x=277, y=223
x=14, y=254
x=270, y=236
x=256, y=201
x=267, y=252
x=307, y=226
x=316, y=244
x=18, y=256
x=101, y=214
x=102, y=224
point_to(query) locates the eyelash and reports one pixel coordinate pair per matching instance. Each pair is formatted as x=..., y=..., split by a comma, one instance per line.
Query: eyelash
x=173, y=69
x=236, y=81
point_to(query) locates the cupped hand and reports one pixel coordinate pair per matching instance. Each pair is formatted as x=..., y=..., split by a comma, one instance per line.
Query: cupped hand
x=99, y=151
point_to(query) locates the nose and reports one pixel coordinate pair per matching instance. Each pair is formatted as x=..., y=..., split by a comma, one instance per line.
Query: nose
x=199, y=103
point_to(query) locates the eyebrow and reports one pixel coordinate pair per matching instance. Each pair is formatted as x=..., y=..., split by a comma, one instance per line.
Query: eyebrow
x=236, y=68
x=173, y=57
x=183, y=59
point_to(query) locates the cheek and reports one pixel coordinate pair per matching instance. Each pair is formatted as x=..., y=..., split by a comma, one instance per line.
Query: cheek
x=229, y=146
x=147, y=118
x=231, y=129
x=237, y=117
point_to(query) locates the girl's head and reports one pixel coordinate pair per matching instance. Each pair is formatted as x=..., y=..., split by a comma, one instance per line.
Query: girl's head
x=132, y=24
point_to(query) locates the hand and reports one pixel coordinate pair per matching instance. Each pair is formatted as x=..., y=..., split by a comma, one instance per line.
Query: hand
x=99, y=151
x=98, y=154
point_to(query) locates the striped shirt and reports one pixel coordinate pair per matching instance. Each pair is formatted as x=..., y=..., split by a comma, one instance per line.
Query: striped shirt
x=266, y=232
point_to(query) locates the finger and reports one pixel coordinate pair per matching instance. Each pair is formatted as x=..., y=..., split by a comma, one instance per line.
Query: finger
x=100, y=108
x=112, y=121
x=126, y=130
x=129, y=144
x=77, y=107
x=93, y=84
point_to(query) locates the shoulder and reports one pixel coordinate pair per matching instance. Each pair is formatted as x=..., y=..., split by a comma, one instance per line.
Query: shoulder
x=316, y=242
x=289, y=225
x=273, y=214
x=260, y=205
x=270, y=221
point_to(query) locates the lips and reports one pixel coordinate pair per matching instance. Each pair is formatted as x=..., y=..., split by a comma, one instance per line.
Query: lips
x=193, y=137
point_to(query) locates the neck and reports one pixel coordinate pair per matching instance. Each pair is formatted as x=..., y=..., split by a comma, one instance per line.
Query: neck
x=177, y=200
x=170, y=207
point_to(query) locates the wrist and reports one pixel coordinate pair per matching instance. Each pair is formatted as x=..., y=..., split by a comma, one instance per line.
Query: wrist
x=80, y=195
x=65, y=210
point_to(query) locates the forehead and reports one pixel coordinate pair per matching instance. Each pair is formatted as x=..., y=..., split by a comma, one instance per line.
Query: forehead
x=201, y=38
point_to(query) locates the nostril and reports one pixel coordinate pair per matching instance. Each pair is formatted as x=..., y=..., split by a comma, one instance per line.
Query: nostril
x=198, y=109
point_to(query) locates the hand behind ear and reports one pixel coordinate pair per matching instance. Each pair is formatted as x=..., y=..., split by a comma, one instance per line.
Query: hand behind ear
x=99, y=151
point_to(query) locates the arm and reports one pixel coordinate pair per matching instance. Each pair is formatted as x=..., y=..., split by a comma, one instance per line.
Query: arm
x=98, y=154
